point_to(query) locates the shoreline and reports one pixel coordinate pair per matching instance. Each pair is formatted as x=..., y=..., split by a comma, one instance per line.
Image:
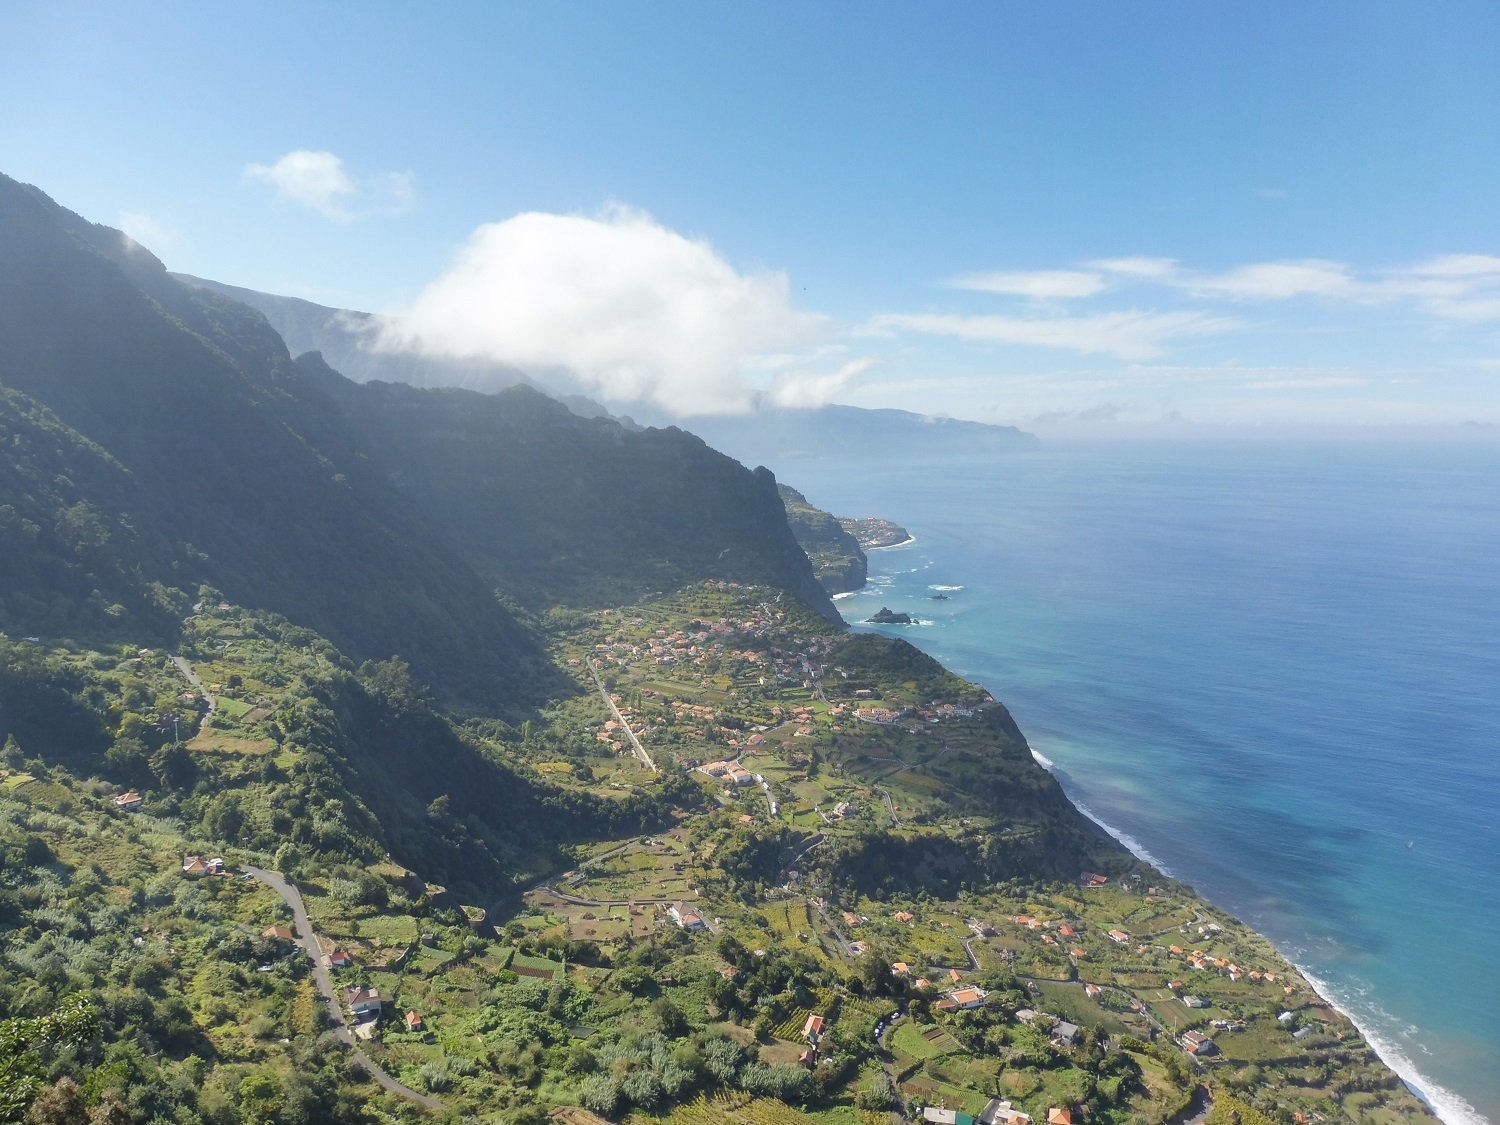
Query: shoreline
x=910, y=539
x=1448, y=1106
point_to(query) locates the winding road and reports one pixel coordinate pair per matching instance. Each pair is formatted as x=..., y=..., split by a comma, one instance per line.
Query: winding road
x=192, y=677
x=308, y=942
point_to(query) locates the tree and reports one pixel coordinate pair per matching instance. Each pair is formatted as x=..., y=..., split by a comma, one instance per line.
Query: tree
x=22, y=1042
x=11, y=754
x=59, y=1104
x=876, y=1094
x=173, y=766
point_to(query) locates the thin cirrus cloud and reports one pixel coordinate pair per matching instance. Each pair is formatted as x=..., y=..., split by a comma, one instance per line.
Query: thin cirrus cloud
x=630, y=308
x=319, y=182
x=1038, y=284
x=1452, y=287
x=1132, y=335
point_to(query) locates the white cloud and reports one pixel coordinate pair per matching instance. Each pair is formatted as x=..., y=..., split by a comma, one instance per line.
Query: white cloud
x=1134, y=334
x=1458, y=265
x=316, y=180
x=1279, y=281
x=630, y=308
x=1138, y=267
x=1306, y=384
x=319, y=182
x=803, y=390
x=1039, y=284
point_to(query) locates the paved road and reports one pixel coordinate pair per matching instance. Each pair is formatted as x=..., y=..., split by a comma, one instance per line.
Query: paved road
x=192, y=677
x=640, y=751
x=890, y=805
x=888, y=1061
x=579, y=900
x=969, y=949
x=309, y=943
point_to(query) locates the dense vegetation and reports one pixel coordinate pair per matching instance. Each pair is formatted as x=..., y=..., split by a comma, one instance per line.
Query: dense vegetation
x=628, y=819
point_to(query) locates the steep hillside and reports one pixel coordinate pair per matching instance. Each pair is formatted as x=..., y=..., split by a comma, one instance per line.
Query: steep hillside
x=553, y=507
x=219, y=463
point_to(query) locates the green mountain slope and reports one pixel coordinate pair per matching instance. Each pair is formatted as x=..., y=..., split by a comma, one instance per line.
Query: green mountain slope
x=207, y=427
x=552, y=507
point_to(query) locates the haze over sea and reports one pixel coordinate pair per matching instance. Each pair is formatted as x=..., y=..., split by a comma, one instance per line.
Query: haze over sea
x=1272, y=668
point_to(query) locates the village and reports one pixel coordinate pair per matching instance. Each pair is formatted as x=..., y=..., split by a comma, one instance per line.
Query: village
x=980, y=1004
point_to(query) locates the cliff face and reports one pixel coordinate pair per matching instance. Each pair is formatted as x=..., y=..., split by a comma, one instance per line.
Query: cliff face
x=836, y=555
x=552, y=507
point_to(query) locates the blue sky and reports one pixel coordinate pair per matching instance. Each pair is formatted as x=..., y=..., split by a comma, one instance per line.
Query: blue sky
x=1077, y=217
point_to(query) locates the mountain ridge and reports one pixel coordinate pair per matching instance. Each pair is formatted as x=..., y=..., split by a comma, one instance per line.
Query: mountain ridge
x=763, y=436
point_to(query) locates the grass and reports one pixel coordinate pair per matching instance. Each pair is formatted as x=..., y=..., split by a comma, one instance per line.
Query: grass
x=909, y=1040
x=233, y=707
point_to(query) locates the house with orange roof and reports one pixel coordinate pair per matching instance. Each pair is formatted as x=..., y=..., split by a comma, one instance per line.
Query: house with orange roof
x=968, y=997
x=812, y=1029
x=413, y=1021
x=954, y=976
x=1056, y=1116
x=1119, y=937
x=904, y=916
x=277, y=933
x=900, y=968
x=1080, y=953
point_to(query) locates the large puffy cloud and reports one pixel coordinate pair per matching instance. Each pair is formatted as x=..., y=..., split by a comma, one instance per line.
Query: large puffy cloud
x=621, y=303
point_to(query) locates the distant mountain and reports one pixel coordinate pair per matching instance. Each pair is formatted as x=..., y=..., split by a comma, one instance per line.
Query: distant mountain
x=765, y=437
x=774, y=437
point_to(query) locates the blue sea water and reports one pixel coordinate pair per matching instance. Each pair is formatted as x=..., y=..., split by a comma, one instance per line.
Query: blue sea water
x=1273, y=668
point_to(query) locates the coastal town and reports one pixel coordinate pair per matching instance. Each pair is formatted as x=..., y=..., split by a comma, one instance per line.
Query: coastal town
x=843, y=898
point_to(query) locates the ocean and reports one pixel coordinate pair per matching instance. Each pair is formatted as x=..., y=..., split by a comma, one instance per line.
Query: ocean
x=1272, y=669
